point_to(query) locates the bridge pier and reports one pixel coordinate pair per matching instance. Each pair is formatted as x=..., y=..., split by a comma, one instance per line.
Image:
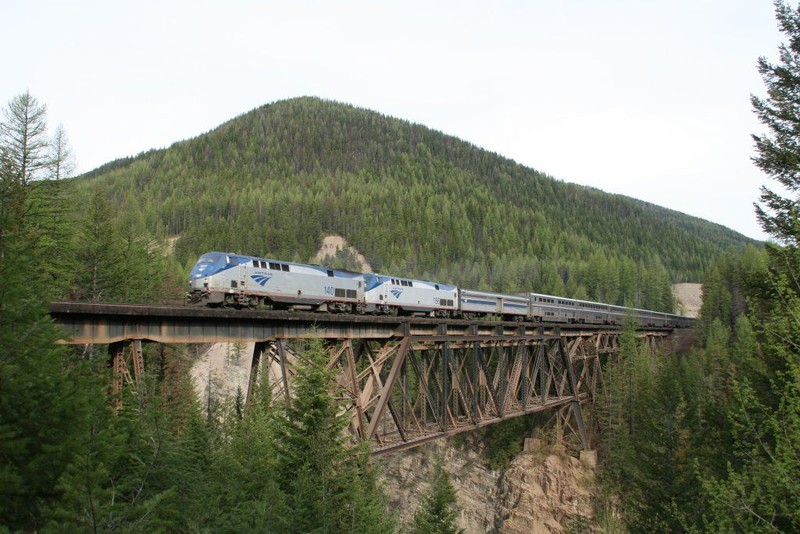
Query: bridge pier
x=127, y=366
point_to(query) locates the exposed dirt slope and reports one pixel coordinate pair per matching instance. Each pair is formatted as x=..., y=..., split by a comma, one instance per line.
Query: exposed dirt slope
x=689, y=297
x=332, y=243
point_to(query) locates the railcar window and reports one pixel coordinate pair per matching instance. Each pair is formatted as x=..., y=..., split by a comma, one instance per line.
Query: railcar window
x=274, y=266
x=255, y=263
x=263, y=265
x=330, y=273
x=285, y=268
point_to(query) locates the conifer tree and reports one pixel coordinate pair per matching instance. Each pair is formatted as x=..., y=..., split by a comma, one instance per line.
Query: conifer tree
x=242, y=493
x=436, y=512
x=759, y=491
x=61, y=161
x=778, y=153
x=42, y=402
x=23, y=137
x=329, y=485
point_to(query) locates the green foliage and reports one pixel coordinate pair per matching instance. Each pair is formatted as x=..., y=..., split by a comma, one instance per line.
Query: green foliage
x=777, y=152
x=760, y=491
x=504, y=440
x=242, y=481
x=116, y=263
x=23, y=139
x=413, y=201
x=41, y=405
x=647, y=415
x=42, y=397
x=328, y=484
x=343, y=259
x=437, y=510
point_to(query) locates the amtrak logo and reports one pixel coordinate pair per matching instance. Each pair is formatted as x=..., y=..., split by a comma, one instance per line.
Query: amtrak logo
x=396, y=293
x=261, y=279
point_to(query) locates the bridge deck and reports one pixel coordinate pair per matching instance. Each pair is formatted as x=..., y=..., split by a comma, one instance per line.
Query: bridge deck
x=97, y=323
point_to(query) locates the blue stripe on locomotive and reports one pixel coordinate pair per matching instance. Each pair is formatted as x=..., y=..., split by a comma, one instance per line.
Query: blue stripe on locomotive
x=212, y=263
x=371, y=281
x=217, y=262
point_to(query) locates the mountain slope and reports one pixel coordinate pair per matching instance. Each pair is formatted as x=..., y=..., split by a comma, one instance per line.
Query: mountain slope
x=415, y=202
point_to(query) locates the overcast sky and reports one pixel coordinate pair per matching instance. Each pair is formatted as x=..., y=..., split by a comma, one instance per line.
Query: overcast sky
x=645, y=98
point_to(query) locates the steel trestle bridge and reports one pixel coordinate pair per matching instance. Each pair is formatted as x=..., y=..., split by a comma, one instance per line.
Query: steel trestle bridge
x=402, y=380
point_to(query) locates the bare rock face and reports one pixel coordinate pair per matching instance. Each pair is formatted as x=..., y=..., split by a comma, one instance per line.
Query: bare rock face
x=540, y=492
x=545, y=493
x=407, y=478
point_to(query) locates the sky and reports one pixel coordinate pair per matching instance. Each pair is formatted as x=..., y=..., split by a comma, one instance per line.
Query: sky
x=646, y=98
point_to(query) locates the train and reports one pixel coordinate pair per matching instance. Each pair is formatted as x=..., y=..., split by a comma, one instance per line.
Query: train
x=234, y=280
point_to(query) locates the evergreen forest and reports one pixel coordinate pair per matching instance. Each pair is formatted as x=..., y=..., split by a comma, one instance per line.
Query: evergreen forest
x=415, y=202
x=704, y=440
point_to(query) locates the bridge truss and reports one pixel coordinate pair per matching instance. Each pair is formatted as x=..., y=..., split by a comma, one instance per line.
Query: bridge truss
x=403, y=381
x=404, y=391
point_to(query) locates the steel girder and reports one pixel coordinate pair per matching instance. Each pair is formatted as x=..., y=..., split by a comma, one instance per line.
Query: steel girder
x=414, y=387
x=404, y=391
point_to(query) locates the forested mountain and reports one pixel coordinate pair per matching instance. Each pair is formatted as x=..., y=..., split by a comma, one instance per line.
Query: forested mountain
x=414, y=201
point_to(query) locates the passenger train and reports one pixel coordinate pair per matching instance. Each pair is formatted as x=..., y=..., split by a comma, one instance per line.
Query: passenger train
x=221, y=279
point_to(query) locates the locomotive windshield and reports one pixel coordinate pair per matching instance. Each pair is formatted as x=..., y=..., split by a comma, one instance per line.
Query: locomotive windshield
x=208, y=264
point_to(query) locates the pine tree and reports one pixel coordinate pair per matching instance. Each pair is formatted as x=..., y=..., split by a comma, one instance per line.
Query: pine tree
x=329, y=485
x=42, y=398
x=780, y=112
x=436, y=512
x=759, y=491
x=242, y=492
x=99, y=275
x=24, y=141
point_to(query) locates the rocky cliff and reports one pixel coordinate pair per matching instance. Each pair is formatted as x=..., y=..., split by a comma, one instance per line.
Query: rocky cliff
x=543, y=490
